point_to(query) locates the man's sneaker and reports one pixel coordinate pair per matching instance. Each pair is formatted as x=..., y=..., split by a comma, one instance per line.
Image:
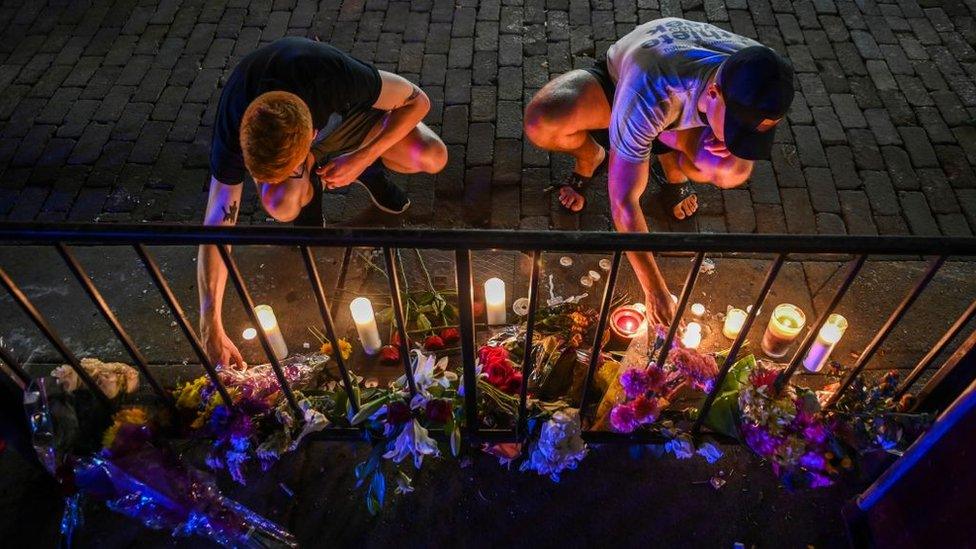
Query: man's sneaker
x=385, y=194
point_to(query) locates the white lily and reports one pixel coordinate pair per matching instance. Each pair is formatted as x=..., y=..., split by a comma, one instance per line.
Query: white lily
x=414, y=441
x=427, y=372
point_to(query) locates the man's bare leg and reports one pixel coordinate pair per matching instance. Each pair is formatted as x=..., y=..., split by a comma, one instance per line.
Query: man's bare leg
x=690, y=160
x=420, y=151
x=560, y=117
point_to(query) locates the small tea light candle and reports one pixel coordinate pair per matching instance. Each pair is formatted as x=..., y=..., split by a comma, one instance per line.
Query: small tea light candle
x=784, y=325
x=249, y=333
x=268, y=321
x=692, y=336
x=495, y=301
x=734, y=319
x=827, y=338
x=697, y=309
x=362, y=315
x=625, y=321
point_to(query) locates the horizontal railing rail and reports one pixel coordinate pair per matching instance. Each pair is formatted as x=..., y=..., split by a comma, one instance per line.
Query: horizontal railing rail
x=462, y=243
x=477, y=239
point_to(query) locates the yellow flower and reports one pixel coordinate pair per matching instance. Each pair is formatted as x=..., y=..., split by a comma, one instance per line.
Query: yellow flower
x=344, y=347
x=134, y=416
x=188, y=395
x=204, y=416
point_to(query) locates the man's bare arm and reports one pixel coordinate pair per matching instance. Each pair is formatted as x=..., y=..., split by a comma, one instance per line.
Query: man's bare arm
x=627, y=182
x=223, y=206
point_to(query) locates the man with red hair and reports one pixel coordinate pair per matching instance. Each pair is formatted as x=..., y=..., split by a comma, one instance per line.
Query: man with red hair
x=298, y=116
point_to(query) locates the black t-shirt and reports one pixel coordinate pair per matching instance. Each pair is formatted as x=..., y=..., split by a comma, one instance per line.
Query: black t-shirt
x=327, y=79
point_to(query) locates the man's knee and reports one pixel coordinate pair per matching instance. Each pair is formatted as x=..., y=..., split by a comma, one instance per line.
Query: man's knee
x=734, y=174
x=434, y=156
x=548, y=115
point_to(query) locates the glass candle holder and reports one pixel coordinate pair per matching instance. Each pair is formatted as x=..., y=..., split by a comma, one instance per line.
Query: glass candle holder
x=784, y=325
x=734, y=319
x=827, y=338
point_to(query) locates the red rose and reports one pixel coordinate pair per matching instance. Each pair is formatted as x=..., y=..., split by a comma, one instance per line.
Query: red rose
x=498, y=372
x=450, y=335
x=492, y=355
x=514, y=384
x=397, y=413
x=433, y=343
x=389, y=355
x=438, y=410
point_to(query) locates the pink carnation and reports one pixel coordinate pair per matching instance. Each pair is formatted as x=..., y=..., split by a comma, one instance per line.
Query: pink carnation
x=699, y=368
x=623, y=419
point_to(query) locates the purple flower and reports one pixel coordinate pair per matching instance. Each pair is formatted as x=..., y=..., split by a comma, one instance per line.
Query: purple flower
x=623, y=419
x=818, y=480
x=815, y=434
x=760, y=440
x=813, y=461
x=635, y=382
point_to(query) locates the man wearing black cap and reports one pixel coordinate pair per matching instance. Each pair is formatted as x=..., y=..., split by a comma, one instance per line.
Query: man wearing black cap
x=705, y=101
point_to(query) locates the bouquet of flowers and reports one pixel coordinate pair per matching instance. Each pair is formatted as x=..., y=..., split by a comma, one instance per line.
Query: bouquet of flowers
x=398, y=424
x=643, y=389
x=113, y=378
x=137, y=477
x=258, y=423
x=875, y=420
x=784, y=427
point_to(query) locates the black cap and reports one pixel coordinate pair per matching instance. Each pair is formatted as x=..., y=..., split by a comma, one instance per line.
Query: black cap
x=757, y=85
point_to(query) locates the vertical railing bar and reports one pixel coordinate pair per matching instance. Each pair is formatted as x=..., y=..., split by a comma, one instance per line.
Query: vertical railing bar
x=936, y=349
x=679, y=311
x=7, y=358
x=245, y=295
x=601, y=327
x=885, y=330
x=38, y=319
x=528, y=358
x=344, y=268
x=156, y=274
x=89, y=286
x=326, y=313
x=740, y=339
x=785, y=376
x=392, y=274
x=465, y=289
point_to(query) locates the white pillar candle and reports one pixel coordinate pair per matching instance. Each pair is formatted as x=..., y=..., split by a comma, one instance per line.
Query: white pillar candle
x=827, y=338
x=697, y=309
x=734, y=319
x=692, y=336
x=268, y=321
x=365, y=320
x=495, y=301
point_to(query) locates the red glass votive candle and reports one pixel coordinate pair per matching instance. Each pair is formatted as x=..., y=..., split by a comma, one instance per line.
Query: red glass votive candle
x=625, y=321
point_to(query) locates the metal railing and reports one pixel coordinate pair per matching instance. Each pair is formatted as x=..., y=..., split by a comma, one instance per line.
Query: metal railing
x=462, y=243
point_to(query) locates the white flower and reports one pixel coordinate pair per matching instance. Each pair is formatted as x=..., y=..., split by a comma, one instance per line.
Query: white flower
x=111, y=377
x=414, y=441
x=427, y=372
x=559, y=446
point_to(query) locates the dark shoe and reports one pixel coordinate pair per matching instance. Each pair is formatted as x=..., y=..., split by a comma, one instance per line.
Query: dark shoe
x=672, y=194
x=385, y=194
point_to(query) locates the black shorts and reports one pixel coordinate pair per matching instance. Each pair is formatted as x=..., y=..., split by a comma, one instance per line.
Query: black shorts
x=601, y=72
x=348, y=137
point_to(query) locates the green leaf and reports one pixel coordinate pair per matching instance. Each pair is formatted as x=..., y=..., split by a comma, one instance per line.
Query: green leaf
x=369, y=409
x=385, y=315
x=422, y=322
x=723, y=417
x=372, y=505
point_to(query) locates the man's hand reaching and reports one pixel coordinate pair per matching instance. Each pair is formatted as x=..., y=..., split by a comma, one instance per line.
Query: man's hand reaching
x=660, y=309
x=344, y=169
x=221, y=350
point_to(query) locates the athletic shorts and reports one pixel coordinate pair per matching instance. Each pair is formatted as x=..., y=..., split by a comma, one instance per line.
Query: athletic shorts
x=347, y=137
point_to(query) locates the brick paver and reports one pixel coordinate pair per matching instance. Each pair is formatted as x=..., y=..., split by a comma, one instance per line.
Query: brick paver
x=106, y=107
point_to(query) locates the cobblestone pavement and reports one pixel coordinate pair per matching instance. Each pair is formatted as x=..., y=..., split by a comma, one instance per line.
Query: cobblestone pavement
x=106, y=107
